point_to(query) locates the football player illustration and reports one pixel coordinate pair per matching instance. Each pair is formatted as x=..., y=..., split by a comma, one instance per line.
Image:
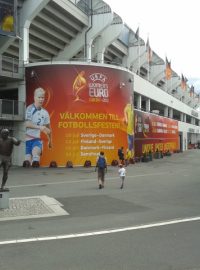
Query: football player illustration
x=37, y=122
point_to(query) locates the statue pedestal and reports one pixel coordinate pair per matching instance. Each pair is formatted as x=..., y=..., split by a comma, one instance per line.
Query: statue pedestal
x=4, y=198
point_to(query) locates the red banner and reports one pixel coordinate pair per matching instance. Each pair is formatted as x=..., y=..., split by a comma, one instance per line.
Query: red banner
x=153, y=132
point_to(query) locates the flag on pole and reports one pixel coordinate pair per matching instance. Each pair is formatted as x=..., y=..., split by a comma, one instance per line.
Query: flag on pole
x=137, y=33
x=183, y=82
x=137, y=40
x=168, y=70
x=192, y=91
x=149, y=52
x=138, y=44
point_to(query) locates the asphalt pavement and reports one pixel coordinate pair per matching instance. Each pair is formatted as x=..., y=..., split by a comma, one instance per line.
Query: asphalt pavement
x=153, y=223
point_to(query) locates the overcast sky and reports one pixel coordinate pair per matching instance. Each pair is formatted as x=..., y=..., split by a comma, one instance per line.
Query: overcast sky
x=172, y=27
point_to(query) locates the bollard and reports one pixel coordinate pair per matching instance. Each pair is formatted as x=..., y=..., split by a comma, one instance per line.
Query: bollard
x=4, y=199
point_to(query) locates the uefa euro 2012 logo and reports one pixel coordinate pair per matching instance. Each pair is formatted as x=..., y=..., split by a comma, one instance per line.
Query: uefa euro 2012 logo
x=98, y=88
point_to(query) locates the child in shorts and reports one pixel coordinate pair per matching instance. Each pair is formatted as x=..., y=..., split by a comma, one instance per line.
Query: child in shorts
x=122, y=174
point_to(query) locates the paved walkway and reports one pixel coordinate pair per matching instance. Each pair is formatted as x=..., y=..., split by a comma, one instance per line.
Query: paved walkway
x=32, y=207
x=47, y=206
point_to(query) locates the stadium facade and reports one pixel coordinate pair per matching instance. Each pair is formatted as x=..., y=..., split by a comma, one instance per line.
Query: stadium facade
x=53, y=41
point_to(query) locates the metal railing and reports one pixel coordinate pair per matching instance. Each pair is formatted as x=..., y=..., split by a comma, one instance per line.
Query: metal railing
x=12, y=110
x=9, y=64
x=86, y=7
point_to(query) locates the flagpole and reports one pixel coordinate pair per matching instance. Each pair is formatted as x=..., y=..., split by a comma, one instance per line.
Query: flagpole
x=168, y=73
x=171, y=84
x=139, y=55
x=171, y=78
x=165, y=73
x=148, y=57
x=166, y=85
x=138, y=40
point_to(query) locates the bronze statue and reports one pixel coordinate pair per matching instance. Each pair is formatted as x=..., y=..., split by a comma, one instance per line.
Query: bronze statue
x=6, y=148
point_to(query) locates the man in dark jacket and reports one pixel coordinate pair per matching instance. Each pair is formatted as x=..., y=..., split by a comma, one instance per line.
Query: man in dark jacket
x=101, y=164
x=121, y=155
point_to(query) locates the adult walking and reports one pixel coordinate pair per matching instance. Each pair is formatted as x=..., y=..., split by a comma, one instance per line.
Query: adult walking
x=101, y=165
x=121, y=155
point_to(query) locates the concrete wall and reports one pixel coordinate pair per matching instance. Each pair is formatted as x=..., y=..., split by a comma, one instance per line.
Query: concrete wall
x=145, y=88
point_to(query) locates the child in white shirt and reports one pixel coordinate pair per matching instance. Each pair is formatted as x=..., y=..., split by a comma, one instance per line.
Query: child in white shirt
x=122, y=174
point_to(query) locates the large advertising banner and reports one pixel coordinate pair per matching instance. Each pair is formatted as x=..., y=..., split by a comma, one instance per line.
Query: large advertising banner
x=90, y=110
x=155, y=133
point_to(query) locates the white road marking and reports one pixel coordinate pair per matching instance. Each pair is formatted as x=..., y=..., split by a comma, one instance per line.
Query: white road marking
x=86, y=180
x=102, y=232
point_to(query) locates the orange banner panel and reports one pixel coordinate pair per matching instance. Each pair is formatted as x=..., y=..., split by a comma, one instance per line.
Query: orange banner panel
x=87, y=111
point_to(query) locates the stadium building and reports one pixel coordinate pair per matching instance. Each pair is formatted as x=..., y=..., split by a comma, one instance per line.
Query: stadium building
x=93, y=67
